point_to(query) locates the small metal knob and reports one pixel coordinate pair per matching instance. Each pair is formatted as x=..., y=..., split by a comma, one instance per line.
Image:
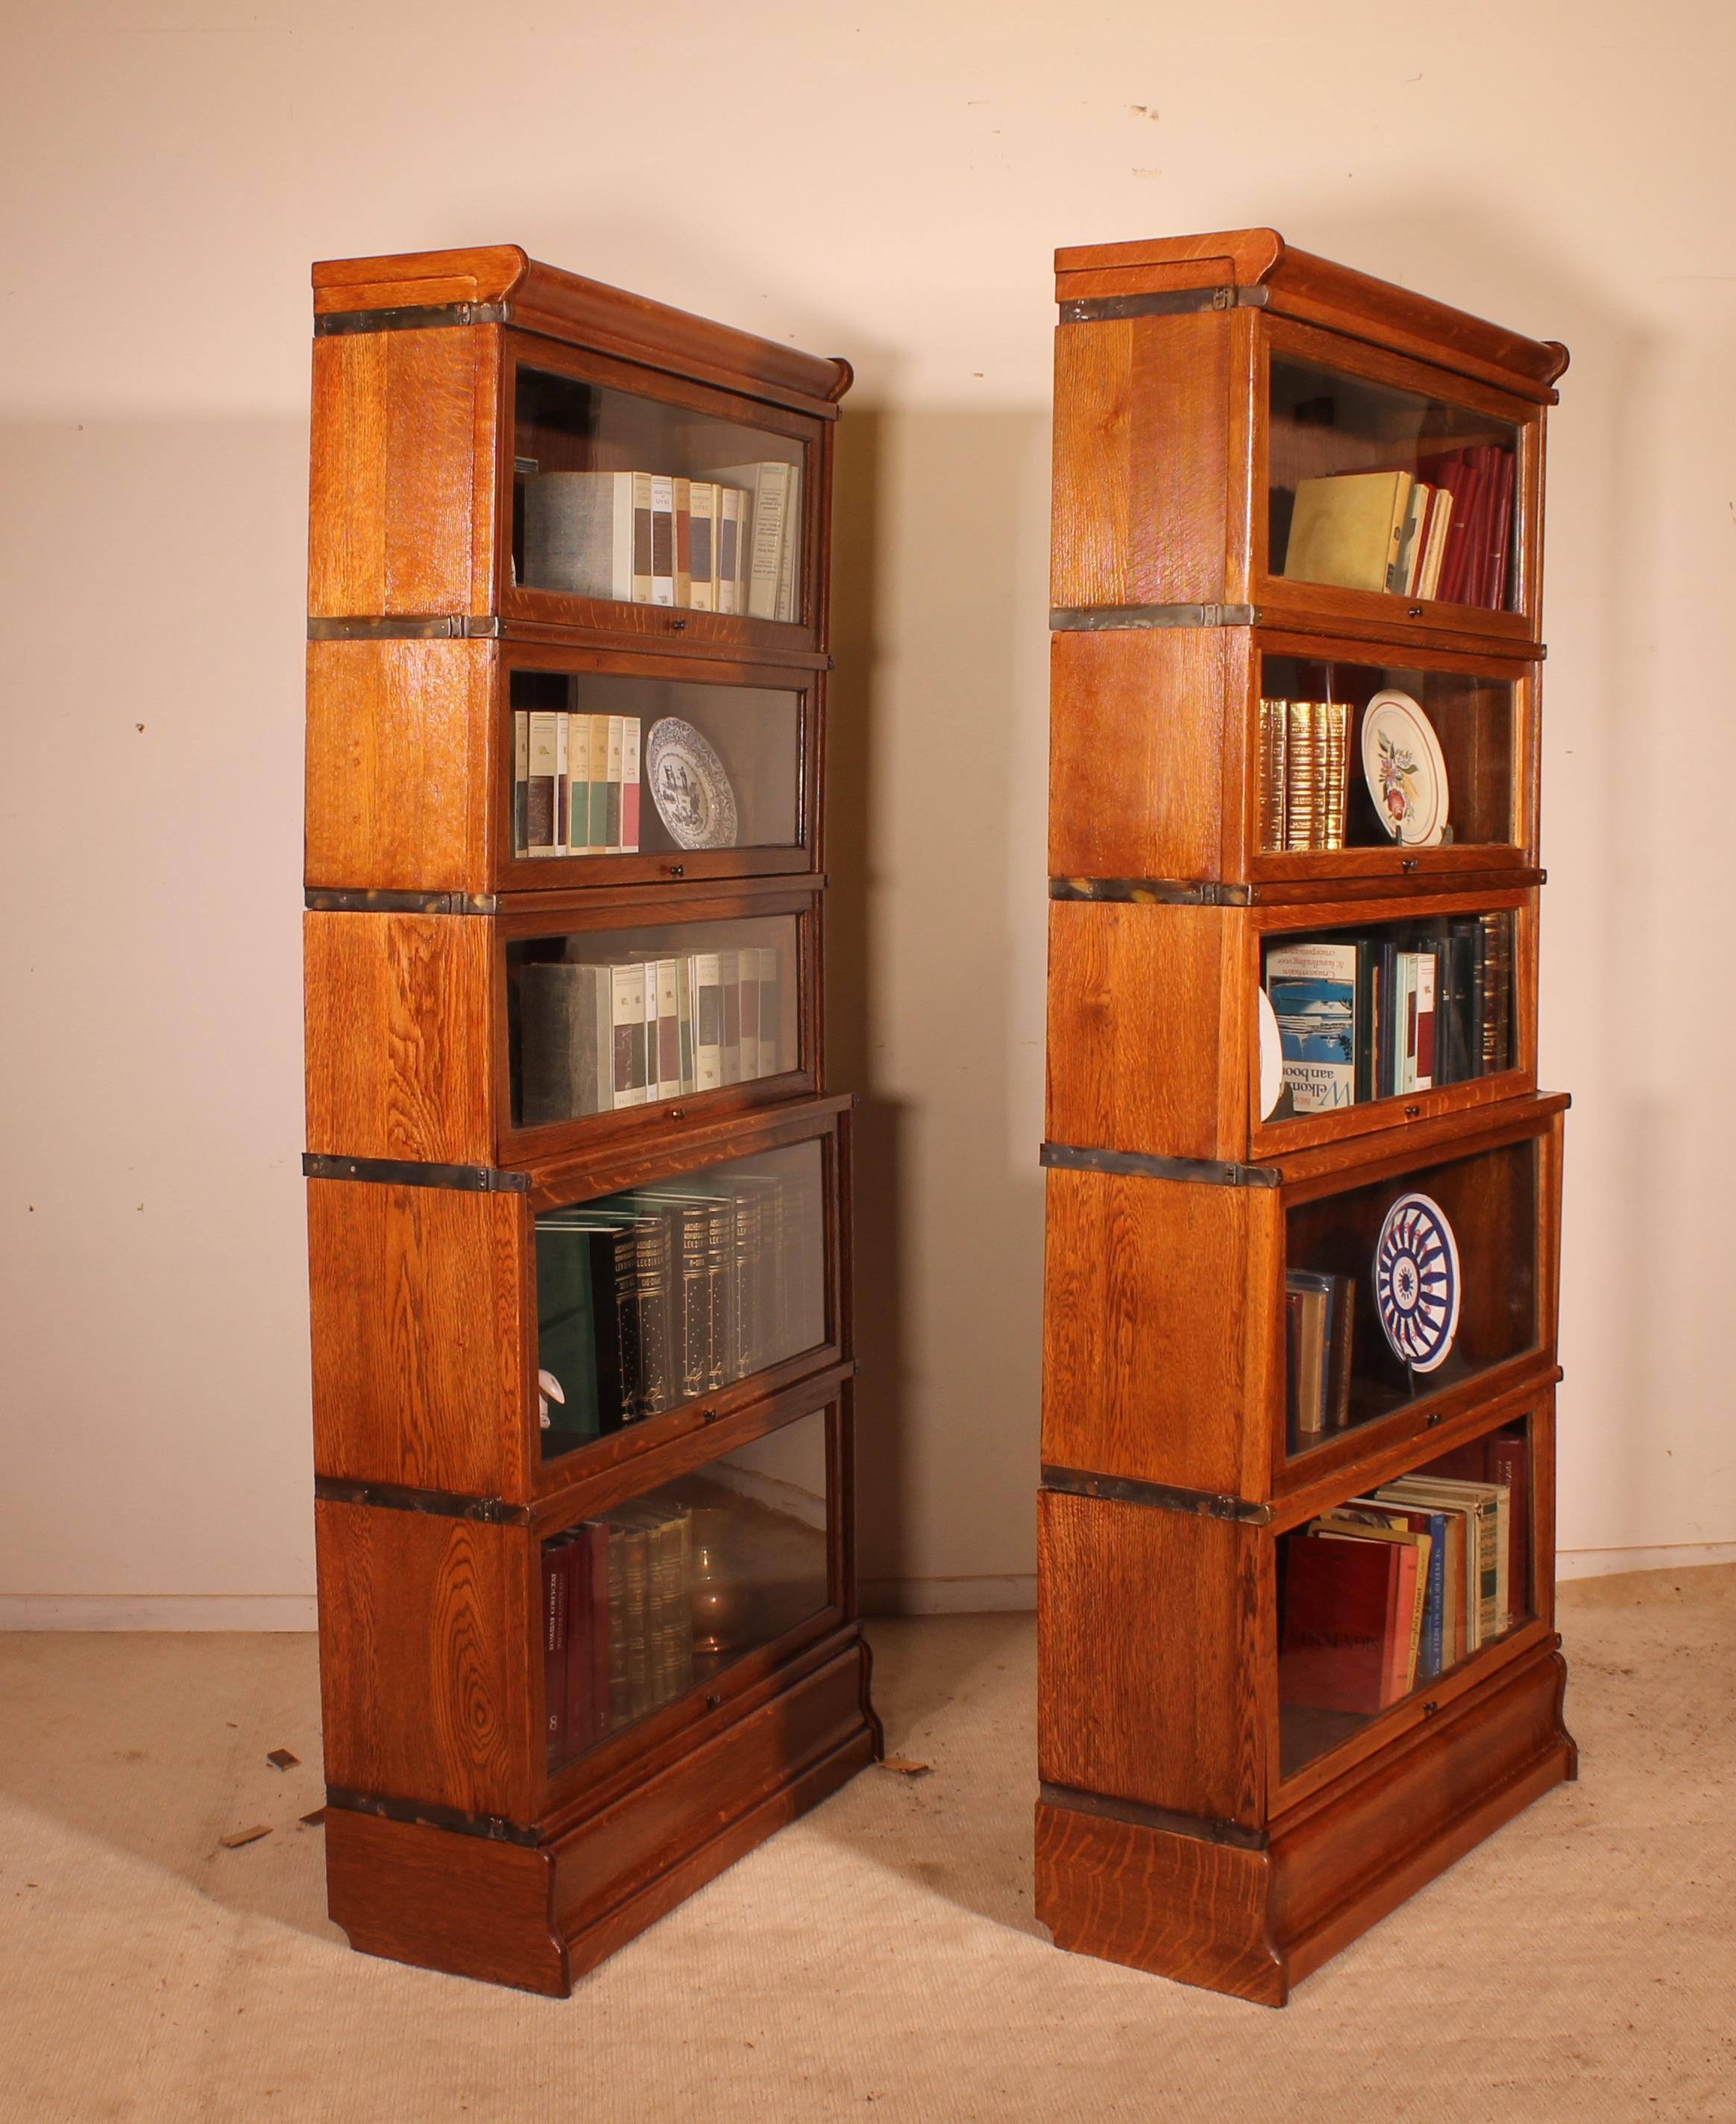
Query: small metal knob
x=678, y=870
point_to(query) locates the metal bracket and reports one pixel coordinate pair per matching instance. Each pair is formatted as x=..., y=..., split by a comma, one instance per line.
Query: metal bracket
x=409, y=626
x=439, y=1504
x=1111, y=618
x=406, y=1172
x=1205, y=1829
x=1159, y=1497
x=1173, y=303
x=1153, y=891
x=1143, y=1165
x=321, y=901
x=432, y=316
x=496, y=1828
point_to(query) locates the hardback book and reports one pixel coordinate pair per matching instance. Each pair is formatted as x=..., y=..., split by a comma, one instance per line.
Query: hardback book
x=728, y=976
x=1345, y=1604
x=627, y=1020
x=746, y=964
x=1432, y=1656
x=730, y=547
x=578, y=784
x=1363, y=1521
x=521, y=781
x=706, y=980
x=684, y=1022
x=653, y=1030
x=767, y=487
x=1486, y=1502
x=663, y=539
x=630, y=789
x=587, y=1636
x=1310, y=1298
x=770, y=1012
x=556, y=1583
x=1419, y=985
x=580, y=1322
x=1313, y=989
x=1410, y=563
x=579, y=533
x=1348, y=529
x=1508, y=1462
x=670, y=1084
x=703, y=545
x=1274, y=730
x=542, y=807
x=788, y=559
x=566, y=1041
x=654, y=1388
x=613, y=757
x=684, y=492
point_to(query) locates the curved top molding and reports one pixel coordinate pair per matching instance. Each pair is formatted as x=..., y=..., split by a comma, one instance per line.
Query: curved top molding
x=566, y=306
x=1298, y=284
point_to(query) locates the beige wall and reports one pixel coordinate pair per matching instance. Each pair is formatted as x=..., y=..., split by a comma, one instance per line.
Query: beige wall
x=887, y=183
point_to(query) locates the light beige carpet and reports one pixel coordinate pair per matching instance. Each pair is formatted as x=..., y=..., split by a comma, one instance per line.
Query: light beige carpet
x=880, y=1959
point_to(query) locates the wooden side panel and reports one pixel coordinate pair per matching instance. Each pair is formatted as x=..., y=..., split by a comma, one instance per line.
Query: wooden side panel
x=401, y=515
x=1147, y=737
x=1150, y=1032
x=1142, y=420
x=1152, y=1626
x=421, y=1338
x=1176, y=1905
x=460, y=1904
x=400, y=1024
x=398, y=750
x=1161, y=1342
x=427, y=1629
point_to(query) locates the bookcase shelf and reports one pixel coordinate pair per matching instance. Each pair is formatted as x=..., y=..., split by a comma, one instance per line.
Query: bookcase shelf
x=578, y=1200
x=1296, y=1602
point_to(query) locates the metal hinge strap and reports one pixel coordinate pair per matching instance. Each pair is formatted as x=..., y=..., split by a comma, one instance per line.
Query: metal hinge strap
x=319, y=900
x=408, y=626
x=1153, y=891
x=416, y=1173
x=1206, y=1828
x=429, y=316
x=1144, y=1165
x=439, y=1504
x=1109, y=619
x=1157, y=1497
x=1173, y=303
x=496, y=1828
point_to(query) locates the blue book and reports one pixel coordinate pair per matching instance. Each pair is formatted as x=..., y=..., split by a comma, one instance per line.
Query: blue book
x=1313, y=992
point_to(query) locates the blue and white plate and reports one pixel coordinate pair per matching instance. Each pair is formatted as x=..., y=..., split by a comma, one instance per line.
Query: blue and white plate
x=1416, y=1281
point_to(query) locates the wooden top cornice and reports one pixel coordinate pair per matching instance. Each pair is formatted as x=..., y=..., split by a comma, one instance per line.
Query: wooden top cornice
x=566, y=306
x=1295, y=283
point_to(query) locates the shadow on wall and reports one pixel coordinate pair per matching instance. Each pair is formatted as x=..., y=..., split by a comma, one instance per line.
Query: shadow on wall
x=934, y=944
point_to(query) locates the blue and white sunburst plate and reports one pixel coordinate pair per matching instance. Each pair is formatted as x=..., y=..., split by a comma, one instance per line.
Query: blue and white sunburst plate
x=1416, y=1281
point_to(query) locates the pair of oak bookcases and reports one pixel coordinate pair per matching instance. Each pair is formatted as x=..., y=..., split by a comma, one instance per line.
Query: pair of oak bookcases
x=579, y=1197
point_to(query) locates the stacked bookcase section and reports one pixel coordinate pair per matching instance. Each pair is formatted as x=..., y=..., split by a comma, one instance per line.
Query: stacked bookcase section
x=1296, y=1642
x=578, y=1199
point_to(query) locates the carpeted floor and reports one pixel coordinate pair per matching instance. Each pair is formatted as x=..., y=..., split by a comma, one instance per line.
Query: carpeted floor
x=879, y=1959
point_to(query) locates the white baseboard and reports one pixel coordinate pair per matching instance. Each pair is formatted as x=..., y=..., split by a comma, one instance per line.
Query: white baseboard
x=157, y=1611
x=1013, y=1594
x=1609, y=1563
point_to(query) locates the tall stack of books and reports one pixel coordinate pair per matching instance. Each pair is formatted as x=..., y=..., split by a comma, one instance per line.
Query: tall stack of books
x=627, y=1032
x=618, y=1605
x=649, y=1299
x=1403, y=1009
x=1304, y=773
x=1393, y=1588
x=575, y=783
x=1444, y=531
x=729, y=543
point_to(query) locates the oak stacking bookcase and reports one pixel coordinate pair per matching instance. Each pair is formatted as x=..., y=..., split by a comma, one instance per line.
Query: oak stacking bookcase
x=578, y=1195
x=1296, y=1640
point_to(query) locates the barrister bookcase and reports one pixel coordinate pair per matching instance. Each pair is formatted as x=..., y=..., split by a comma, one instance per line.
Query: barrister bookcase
x=1222, y=1802
x=578, y=1193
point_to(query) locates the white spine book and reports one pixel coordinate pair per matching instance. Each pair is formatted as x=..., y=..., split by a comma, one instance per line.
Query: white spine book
x=578, y=784
x=731, y=545
x=669, y=1029
x=543, y=795
x=628, y=1018
x=766, y=489
x=663, y=539
x=770, y=1013
x=789, y=556
x=706, y=979
x=702, y=546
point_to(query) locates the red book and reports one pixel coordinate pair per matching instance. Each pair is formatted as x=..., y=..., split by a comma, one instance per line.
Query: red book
x=1509, y=1462
x=1453, y=472
x=586, y=1638
x=555, y=1588
x=1345, y=1642
x=1501, y=537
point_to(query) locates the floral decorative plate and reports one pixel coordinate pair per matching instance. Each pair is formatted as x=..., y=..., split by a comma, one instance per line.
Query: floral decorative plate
x=1271, y=1057
x=689, y=787
x=1405, y=773
x=1416, y=1281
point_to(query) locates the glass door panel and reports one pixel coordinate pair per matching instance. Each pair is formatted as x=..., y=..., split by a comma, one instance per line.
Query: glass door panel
x=1397, y=1291
x=1371, y=756
x=1376, y=488
x=654, y=1298
x=1395, y=1587
x=661, y=1596
x=643, y=501
x=622, y=766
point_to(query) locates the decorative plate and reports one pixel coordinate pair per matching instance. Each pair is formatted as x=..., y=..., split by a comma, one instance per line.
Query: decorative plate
x=1271, y=1057
x=1416, y=1281
x=688, y=786
x=1405, y=773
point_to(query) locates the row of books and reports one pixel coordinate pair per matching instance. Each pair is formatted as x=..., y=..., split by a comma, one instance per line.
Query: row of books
x=1320, y=1323
x=649, y=1299
x=1444, y=531
x=1304, y=773
x=627, y=1032
x=1393, y=1588
x=575, y=783
x=1402, y=1009
x=617, y=1623
x=727, y=544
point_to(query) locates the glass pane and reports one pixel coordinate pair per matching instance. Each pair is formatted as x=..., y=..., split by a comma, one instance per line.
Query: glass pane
x=602, y=1019
x=646, y=503
x=1389, y=1589
x=1375, y=1013
x=1364, y=755
x=657, y=1297
x=1400, y=1290
x=659, y=1595
x=608, y=766
x=1378, y=488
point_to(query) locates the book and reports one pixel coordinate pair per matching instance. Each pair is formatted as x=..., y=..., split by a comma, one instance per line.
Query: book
x=555, y=1599
x=1348, y=529
x=587, y=1636
x=684, y=506
x=787, y=606
x=766, y=489
x=628, y=1020
x=663, y=539
x=1310, y=1297
x=1365, y=1519
x=615, y=747
x=542, y=800
x=728, y=976
x=1485, y=1538
x=578, y=1325
x=1274, y=730
x=1509, y=1463
x=747, y=963
x=703, y=545
x=579, y=533
x=566, y=1041
x=630, y=793
x=706, y=982
x=577, y=783
x=1312, y=988
x=730, y=547
x=670, y=1084
x=521, y=782
x=1344, y=1603
x=770, y=1012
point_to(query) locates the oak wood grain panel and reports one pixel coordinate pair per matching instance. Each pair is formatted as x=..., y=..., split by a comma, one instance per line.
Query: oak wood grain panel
x=1148, y=736
x=1162, y=1349
x=422, y=1337
x=1176, y=1905
x=399, y=765
x=1149, y=1625
x=1151, y=1037
x=439, y=1900
x=428, y=1627
x=399, y=1026
x=394, y=485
